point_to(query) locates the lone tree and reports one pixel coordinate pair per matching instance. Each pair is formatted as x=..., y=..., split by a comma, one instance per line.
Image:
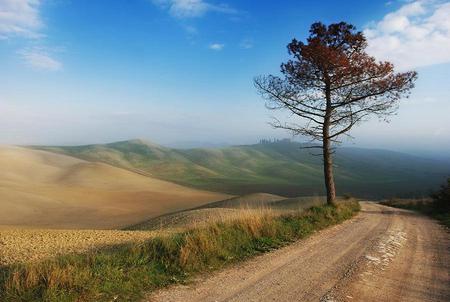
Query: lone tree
x=332, y=84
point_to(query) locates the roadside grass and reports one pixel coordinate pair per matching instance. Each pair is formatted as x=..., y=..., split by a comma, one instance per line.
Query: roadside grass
x=425, y=206
x=125, y=272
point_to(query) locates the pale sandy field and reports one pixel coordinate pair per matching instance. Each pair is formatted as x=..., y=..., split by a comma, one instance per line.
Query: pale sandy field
x=40, y=189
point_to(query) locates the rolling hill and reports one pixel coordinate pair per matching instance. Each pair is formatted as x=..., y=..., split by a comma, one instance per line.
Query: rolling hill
x=44, y=189
x=283, y=168
x=254, y=200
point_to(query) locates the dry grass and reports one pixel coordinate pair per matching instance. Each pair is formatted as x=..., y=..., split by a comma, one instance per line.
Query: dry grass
x=124, y=272
x=232, y=208
x=18, y=245
x=253, y=200
x=205, y=216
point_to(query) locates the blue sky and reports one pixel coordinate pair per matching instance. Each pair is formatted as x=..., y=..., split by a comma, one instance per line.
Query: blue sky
x=88, y=71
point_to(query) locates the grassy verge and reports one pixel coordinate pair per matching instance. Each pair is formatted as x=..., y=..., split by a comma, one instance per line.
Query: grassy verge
x=125, y=272
x=424, y=206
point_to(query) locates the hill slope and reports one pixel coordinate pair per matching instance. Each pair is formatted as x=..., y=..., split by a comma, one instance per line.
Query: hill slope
x=282, y=168
x=229, y=209
x=44, y=189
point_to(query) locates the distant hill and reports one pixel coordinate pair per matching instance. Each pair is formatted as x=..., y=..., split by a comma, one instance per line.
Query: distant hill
x=283, y=168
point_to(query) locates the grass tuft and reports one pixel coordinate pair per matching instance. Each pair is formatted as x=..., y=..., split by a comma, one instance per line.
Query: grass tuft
x=125, y=272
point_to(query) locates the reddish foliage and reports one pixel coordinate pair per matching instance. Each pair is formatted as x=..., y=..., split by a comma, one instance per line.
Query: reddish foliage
x=332, y=76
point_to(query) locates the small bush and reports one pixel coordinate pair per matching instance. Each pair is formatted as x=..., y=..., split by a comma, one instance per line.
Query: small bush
x=347, y=196
x=441, y=198
x=437, y=207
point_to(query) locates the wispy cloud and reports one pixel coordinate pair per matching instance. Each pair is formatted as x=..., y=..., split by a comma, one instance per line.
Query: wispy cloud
x=246, y=44
x=40, y=59
x=191, y=30
x=415, y=35
x=216, y=46
x=20, y=18
x=192, y=8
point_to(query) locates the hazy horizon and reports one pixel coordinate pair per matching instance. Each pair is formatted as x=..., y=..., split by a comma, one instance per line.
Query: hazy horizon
x=177, y=71
x=424, y=153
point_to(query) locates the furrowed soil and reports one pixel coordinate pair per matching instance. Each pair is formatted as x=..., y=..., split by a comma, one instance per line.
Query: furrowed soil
x=28, y=245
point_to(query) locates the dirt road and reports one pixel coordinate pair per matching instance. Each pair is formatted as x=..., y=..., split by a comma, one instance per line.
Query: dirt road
x=383, y=254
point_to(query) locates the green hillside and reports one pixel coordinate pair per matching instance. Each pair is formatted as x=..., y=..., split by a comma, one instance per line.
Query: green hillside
x=282, y=168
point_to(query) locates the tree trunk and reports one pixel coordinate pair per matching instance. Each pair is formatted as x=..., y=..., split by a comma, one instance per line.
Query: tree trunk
x=328, y=172
x=326, y=148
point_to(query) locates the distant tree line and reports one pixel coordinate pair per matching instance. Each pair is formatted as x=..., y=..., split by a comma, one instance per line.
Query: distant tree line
x=274, y=141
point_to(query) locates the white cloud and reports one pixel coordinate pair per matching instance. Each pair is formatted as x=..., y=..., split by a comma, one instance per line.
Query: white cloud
x=20, y=18
x=192, y=8
x=188, y=8
x=40, y=59
x=417, y=34
x=216, y=46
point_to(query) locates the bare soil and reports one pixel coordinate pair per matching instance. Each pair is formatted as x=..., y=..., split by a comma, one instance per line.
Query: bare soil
x=383, y=254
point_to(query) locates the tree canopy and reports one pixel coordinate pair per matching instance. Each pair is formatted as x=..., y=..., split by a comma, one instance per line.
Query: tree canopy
x=332, y=84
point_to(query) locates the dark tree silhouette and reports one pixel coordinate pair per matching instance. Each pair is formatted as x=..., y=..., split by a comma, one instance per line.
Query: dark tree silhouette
x=441, y=198
x=332, y=84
